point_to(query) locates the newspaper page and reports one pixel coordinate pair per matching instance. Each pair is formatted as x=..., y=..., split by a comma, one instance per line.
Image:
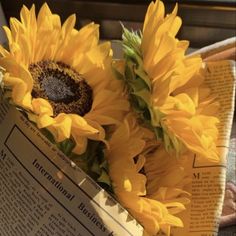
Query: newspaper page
x=43, y=194
x=208, y=179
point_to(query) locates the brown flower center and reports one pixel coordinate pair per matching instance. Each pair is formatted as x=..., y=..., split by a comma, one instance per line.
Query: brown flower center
x=62, y=86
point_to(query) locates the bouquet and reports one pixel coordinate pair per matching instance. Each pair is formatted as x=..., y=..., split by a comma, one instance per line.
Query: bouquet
x=130, y=124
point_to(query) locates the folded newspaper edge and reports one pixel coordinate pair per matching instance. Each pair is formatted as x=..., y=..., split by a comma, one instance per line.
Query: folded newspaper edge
x=216, y=47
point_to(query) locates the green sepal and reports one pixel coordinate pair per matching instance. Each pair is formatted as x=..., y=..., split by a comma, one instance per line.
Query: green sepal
x=156, y=116
x=66, y=146
x=129, y=71
x=133, y=54
x=131, y=42
x=143, y=75
x=48, y=135
x=92, y=161
x=140, y=96
x=104, y=178
x=172, y=143
x=144, y=94
x=159, y=133
x=117, y=74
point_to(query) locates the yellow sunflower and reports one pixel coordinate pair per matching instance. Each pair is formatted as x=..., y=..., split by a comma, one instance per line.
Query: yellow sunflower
x=165, y=85
x=61, y=76
x=193, y=126
x=153, y=202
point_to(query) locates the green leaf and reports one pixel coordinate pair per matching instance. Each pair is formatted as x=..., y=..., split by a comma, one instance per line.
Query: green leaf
x=66, y=146
x=48, y=135
x=159, y=133
x=94, y=163
x=104, y=178
x=129, y=71
x=143, y=75
x=144, y=94
x=95, y=167
x=156, y=116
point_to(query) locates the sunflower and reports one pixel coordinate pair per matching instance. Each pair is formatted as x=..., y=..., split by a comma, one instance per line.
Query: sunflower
x=152, y=202
x=61, y=77
x=195, y=126
x=164, y=85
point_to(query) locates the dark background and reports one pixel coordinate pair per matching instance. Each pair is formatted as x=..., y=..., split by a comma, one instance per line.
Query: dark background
x=204, y=22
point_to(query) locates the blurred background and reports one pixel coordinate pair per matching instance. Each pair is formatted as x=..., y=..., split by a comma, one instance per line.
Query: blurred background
x=204, y=21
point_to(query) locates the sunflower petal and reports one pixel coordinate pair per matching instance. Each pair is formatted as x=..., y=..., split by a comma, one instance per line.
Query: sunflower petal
x=42, y=106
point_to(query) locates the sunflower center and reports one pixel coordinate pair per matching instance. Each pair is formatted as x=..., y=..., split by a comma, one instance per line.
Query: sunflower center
x=59, y=90
x=62, y=86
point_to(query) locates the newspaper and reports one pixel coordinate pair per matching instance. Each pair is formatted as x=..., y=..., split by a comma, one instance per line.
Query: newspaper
x=43, y=193
x=208, y=179
x=218, y=47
